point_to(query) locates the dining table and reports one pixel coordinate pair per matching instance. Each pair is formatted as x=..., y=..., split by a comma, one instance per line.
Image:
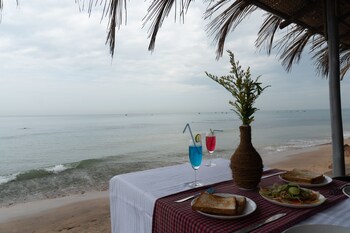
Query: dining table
x=144, y=202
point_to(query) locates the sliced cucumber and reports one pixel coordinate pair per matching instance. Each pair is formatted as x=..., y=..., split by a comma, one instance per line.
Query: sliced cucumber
x=294, y=190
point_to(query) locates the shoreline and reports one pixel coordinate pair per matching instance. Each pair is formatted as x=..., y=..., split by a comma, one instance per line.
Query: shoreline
x=89, y=212
x=317, y=158
x=90, y=215
x=21, y=210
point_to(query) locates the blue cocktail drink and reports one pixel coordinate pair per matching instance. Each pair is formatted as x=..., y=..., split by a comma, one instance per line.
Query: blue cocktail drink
x=195, y=154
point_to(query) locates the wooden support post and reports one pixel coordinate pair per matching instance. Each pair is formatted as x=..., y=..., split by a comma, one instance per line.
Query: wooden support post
x=334, y=89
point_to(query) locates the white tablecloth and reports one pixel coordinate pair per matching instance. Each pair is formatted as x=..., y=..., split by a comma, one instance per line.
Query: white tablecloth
x=133, y=195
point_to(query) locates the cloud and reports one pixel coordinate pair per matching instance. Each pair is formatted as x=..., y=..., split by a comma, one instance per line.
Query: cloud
x=54, y=60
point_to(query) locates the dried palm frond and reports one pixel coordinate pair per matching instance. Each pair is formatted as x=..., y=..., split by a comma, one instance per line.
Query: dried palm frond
x=319, y=49
x=2, y=6
x=158, y=11
x=267, y=32
x=226, y=21
x=344, y=61
x=113, y=9
x=230, y=13
x=292, y=44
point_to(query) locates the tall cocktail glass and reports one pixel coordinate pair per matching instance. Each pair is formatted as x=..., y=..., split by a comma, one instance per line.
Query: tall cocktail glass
x=195, y=156
x=210, y=142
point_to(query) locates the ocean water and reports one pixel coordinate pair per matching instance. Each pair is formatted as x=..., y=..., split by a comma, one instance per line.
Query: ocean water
x=52, y=156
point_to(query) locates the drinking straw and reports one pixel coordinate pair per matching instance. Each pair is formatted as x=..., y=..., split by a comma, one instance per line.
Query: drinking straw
x=212, y=132
x=189, y=128
x=217, y=130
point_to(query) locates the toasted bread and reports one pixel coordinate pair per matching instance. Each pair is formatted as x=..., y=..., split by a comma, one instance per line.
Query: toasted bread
x=214, y=204
x=241, y=203
x=303, y=176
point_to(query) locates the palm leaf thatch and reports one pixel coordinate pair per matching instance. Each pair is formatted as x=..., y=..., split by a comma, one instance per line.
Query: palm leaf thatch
x=116, y=10
x=290, y=46
x=226, y=21
x=158, y=11
x=230, y=14
x=113, y=9
x=2, y=6
x=293, y=43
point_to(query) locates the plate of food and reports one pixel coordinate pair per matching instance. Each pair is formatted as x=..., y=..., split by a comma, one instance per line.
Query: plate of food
x=346, y=191
x=292, y=195
x=223, y=205
x=306, y=178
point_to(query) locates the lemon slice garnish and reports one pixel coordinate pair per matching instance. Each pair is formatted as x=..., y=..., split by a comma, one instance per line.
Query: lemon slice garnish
x=198, y=137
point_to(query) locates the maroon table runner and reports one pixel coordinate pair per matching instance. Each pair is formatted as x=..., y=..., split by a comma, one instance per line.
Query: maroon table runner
x=172, y=217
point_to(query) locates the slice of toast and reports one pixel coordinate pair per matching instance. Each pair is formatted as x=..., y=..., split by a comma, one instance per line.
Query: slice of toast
x=241, y=203
x=214, y=204
x=303, y=176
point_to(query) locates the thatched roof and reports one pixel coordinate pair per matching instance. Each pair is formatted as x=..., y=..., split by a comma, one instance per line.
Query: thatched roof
x=302, y=23
x=309, y=14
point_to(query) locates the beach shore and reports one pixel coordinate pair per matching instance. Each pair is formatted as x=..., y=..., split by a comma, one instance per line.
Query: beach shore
x=89, y=212
x=317, y=159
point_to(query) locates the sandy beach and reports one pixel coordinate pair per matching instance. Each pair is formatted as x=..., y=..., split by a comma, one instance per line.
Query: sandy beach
x=89, y=212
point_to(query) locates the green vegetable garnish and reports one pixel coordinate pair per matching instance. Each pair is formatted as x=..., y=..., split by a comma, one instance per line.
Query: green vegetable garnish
x=294, y=190
x=290, y=193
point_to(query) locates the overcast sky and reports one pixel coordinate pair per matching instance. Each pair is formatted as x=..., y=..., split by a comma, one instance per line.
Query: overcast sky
x=53, y=60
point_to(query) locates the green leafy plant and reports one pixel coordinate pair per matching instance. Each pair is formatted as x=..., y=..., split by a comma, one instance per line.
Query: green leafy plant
x=243, y=88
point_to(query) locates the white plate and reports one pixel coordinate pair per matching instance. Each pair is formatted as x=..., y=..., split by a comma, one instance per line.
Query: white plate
x=346, y=191
x=249, y=208
x=319, y=228
x=321, y=199
x=326, y=181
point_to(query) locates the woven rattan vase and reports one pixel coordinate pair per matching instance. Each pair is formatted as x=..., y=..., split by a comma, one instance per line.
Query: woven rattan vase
x=246, y=163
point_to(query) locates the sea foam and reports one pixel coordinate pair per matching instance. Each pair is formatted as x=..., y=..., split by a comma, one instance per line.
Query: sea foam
x=8, y=178
x=57, y=169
